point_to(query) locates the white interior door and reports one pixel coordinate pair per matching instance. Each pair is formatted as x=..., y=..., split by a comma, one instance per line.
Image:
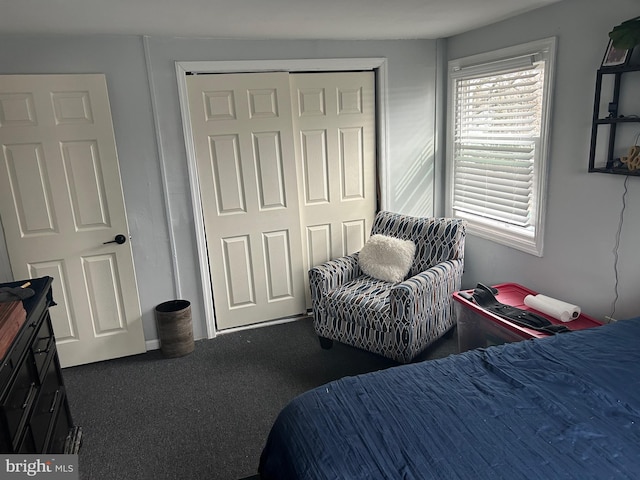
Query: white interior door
x=334, y=128
x=60, y=200
x=242, y=136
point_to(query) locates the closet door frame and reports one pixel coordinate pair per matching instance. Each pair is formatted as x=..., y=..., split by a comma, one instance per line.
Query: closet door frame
x=376, y=64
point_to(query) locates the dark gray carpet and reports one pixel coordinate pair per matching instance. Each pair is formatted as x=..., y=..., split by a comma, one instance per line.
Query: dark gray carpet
x=205, y=415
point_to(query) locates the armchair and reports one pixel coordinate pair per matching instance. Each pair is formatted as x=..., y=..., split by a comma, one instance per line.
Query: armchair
x=396, y=320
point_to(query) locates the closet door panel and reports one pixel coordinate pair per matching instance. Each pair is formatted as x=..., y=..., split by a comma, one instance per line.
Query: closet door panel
x=334, y=130
x=243, y=140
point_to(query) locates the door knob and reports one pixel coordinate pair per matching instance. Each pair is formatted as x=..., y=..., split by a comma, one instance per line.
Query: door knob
x=119, y=239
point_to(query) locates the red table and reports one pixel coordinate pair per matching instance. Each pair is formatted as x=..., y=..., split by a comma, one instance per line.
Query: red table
x=478, y=327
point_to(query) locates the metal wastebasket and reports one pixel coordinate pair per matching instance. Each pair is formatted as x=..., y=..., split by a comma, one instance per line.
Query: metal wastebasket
x=175, y=329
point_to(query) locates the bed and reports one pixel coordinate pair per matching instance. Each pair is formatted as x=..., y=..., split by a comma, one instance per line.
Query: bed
x=562, y=407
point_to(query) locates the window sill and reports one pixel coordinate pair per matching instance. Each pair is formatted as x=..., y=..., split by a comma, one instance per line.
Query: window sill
x=527, y=244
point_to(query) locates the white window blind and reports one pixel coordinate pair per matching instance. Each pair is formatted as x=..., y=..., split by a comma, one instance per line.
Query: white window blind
x=497, y=129
x=498, y=110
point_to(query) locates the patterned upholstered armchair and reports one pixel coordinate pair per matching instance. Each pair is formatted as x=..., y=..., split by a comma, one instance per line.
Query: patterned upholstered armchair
x=396, y=320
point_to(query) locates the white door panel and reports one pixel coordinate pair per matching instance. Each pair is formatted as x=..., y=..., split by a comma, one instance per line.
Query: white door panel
x=242, y=137
x=334, y=126
x=61, y=199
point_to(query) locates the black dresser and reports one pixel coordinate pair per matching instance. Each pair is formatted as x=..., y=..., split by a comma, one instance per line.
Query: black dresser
x=34, y=411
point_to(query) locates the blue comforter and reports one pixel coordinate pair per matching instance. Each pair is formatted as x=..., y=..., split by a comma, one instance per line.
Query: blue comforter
x=563, y=407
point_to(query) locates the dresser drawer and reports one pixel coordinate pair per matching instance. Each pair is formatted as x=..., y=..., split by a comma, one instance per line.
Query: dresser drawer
x=62, y=426
x=17, y=404
x=27, y=444
x=47, y=406
x=43, y=347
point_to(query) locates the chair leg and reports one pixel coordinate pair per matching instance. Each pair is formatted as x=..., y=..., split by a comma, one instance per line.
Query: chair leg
x=325, y=343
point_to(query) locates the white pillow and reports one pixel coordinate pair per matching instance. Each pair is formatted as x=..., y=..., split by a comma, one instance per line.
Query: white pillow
x=387, y=258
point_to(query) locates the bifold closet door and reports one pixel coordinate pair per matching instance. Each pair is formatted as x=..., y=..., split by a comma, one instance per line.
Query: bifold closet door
x=243, y=140
x=334, y=128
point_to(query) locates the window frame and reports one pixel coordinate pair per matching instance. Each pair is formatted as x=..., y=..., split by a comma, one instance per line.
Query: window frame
x=490, y=63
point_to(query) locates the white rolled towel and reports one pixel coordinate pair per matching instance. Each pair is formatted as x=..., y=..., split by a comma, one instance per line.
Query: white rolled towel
x=558, y=309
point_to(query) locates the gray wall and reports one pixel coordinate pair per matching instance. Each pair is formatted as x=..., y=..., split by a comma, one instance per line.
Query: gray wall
x=583, y=209
x=128, y=68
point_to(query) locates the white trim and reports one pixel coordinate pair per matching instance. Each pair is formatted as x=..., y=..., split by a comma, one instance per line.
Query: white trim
x=198, y=220
x=300, y=65
x=476, y=64
x=377, y=64
x=382, y=124
x=545, y=148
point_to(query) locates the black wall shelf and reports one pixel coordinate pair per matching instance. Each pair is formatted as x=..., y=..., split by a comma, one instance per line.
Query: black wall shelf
x=610, y=164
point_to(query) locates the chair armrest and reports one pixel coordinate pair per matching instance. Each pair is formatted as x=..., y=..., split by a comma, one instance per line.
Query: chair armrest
x=330, y=275
x=424, y=295
x=327, y=277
